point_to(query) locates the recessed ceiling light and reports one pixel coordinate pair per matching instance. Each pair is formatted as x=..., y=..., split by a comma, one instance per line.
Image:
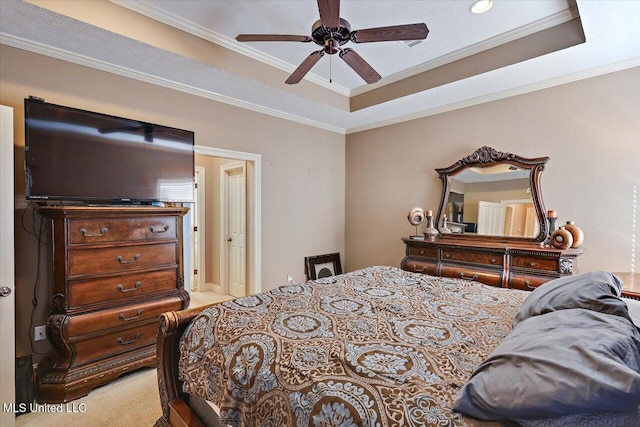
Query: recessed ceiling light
x=481, y=6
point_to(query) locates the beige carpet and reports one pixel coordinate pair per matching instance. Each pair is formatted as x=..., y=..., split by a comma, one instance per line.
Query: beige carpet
x=130, y=401
x=198, y=299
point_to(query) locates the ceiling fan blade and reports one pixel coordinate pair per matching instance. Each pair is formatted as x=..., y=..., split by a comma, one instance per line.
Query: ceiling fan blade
x=395, y=32
x=272, y=38
x=304, y=68
x=359, y=65
x=329, y=13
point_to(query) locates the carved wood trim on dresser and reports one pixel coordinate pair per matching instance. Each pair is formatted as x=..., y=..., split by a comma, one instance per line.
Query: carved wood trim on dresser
x=115, y=270
x=519, y=265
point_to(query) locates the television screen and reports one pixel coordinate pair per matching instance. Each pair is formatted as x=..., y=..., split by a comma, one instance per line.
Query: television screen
x=73, y=154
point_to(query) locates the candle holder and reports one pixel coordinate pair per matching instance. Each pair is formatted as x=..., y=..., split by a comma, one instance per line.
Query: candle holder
x=430, y=233
x=552, y=227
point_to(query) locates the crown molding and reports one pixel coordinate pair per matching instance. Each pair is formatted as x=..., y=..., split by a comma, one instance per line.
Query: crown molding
x=151, y=11
x=525, y=30
x=64, y=55
x=42, y=49
x=148, y=9
x=569, y=78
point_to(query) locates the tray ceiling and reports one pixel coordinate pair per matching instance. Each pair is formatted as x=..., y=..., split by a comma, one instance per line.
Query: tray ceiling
x=457, y=38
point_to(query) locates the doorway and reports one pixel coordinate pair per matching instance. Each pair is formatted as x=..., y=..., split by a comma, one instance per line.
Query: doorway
x=227, y=206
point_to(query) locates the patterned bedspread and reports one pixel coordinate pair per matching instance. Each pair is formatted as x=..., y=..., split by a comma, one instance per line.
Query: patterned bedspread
x=375, y=347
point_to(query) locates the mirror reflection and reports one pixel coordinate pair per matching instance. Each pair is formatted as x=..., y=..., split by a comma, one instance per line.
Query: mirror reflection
x=491, y=201
x=493, y=195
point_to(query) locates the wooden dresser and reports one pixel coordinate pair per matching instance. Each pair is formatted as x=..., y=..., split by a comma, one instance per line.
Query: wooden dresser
x=114, y=271
x=517, y=265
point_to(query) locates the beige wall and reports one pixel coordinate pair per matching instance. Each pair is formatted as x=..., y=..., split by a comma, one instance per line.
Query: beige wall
x=302, y=194
x=590, y=129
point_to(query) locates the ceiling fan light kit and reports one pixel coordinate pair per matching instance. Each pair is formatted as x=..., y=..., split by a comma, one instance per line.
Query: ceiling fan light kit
x=331, y=32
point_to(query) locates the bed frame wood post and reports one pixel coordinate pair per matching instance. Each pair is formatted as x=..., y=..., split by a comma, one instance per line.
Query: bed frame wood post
x=171, y=326
x=166, y=368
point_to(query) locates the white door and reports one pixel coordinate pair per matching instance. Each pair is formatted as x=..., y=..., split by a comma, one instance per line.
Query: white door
x=7, y=274
x=236, y=228
x=491, y=218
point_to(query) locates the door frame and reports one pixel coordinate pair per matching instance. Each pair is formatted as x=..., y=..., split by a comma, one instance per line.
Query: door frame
x=7, y=270
x=254, y=210
x=224, y=223
x=198, y=252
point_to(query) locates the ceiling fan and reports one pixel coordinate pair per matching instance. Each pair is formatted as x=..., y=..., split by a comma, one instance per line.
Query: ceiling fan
x=331, y=32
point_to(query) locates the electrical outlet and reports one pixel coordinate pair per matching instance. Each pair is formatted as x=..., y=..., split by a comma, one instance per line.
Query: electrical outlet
x=40, y=333
x=290, y=280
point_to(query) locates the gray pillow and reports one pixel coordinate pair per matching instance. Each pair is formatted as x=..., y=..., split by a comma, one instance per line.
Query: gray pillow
x=564, y=362
x=597, y=290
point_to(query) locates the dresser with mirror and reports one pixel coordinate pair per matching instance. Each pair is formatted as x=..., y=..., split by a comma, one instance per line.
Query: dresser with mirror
x=492, y=225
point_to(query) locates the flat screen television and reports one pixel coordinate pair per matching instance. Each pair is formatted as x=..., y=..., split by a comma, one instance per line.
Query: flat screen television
x=73, y=154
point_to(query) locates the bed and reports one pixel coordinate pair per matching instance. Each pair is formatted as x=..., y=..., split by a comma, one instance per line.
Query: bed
x=386, y=347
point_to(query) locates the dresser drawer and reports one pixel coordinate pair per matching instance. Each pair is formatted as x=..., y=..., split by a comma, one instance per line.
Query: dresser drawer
x=120, y=258
x=471, y=257
x=416, y=251
x=119, y=288
x=119, y=317
x=532, y=262
x=107, y=230
x=418, y=266
x=114, y=343
x=527, y=283
x=486, y=277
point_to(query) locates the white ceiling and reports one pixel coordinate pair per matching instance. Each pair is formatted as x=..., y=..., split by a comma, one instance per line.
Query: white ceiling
x=611, y=27
x=452, y=28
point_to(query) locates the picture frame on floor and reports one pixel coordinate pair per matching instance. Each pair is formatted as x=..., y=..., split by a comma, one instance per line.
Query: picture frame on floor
x=320, y=266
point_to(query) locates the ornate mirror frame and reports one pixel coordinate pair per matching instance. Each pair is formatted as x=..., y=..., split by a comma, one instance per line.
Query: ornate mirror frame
x=487, y=157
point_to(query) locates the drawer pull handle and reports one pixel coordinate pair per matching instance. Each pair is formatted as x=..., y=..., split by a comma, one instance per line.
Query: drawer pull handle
x=493, y=260
x=422, y=252
x=127, y=319
x=474, y=277
x=528, y=284
x=135, y=338
x=100, y=233
x=415, y=268
x=533, y=263
x=121, y=260
x=135, y=288
x=447, y=255
x=158, y=230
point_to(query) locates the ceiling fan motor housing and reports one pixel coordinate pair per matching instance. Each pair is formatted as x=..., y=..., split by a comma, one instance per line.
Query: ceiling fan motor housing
x=331, y=38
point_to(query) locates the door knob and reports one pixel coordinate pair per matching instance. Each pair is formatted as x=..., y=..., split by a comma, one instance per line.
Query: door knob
x=5, y=291
x=229, y=239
